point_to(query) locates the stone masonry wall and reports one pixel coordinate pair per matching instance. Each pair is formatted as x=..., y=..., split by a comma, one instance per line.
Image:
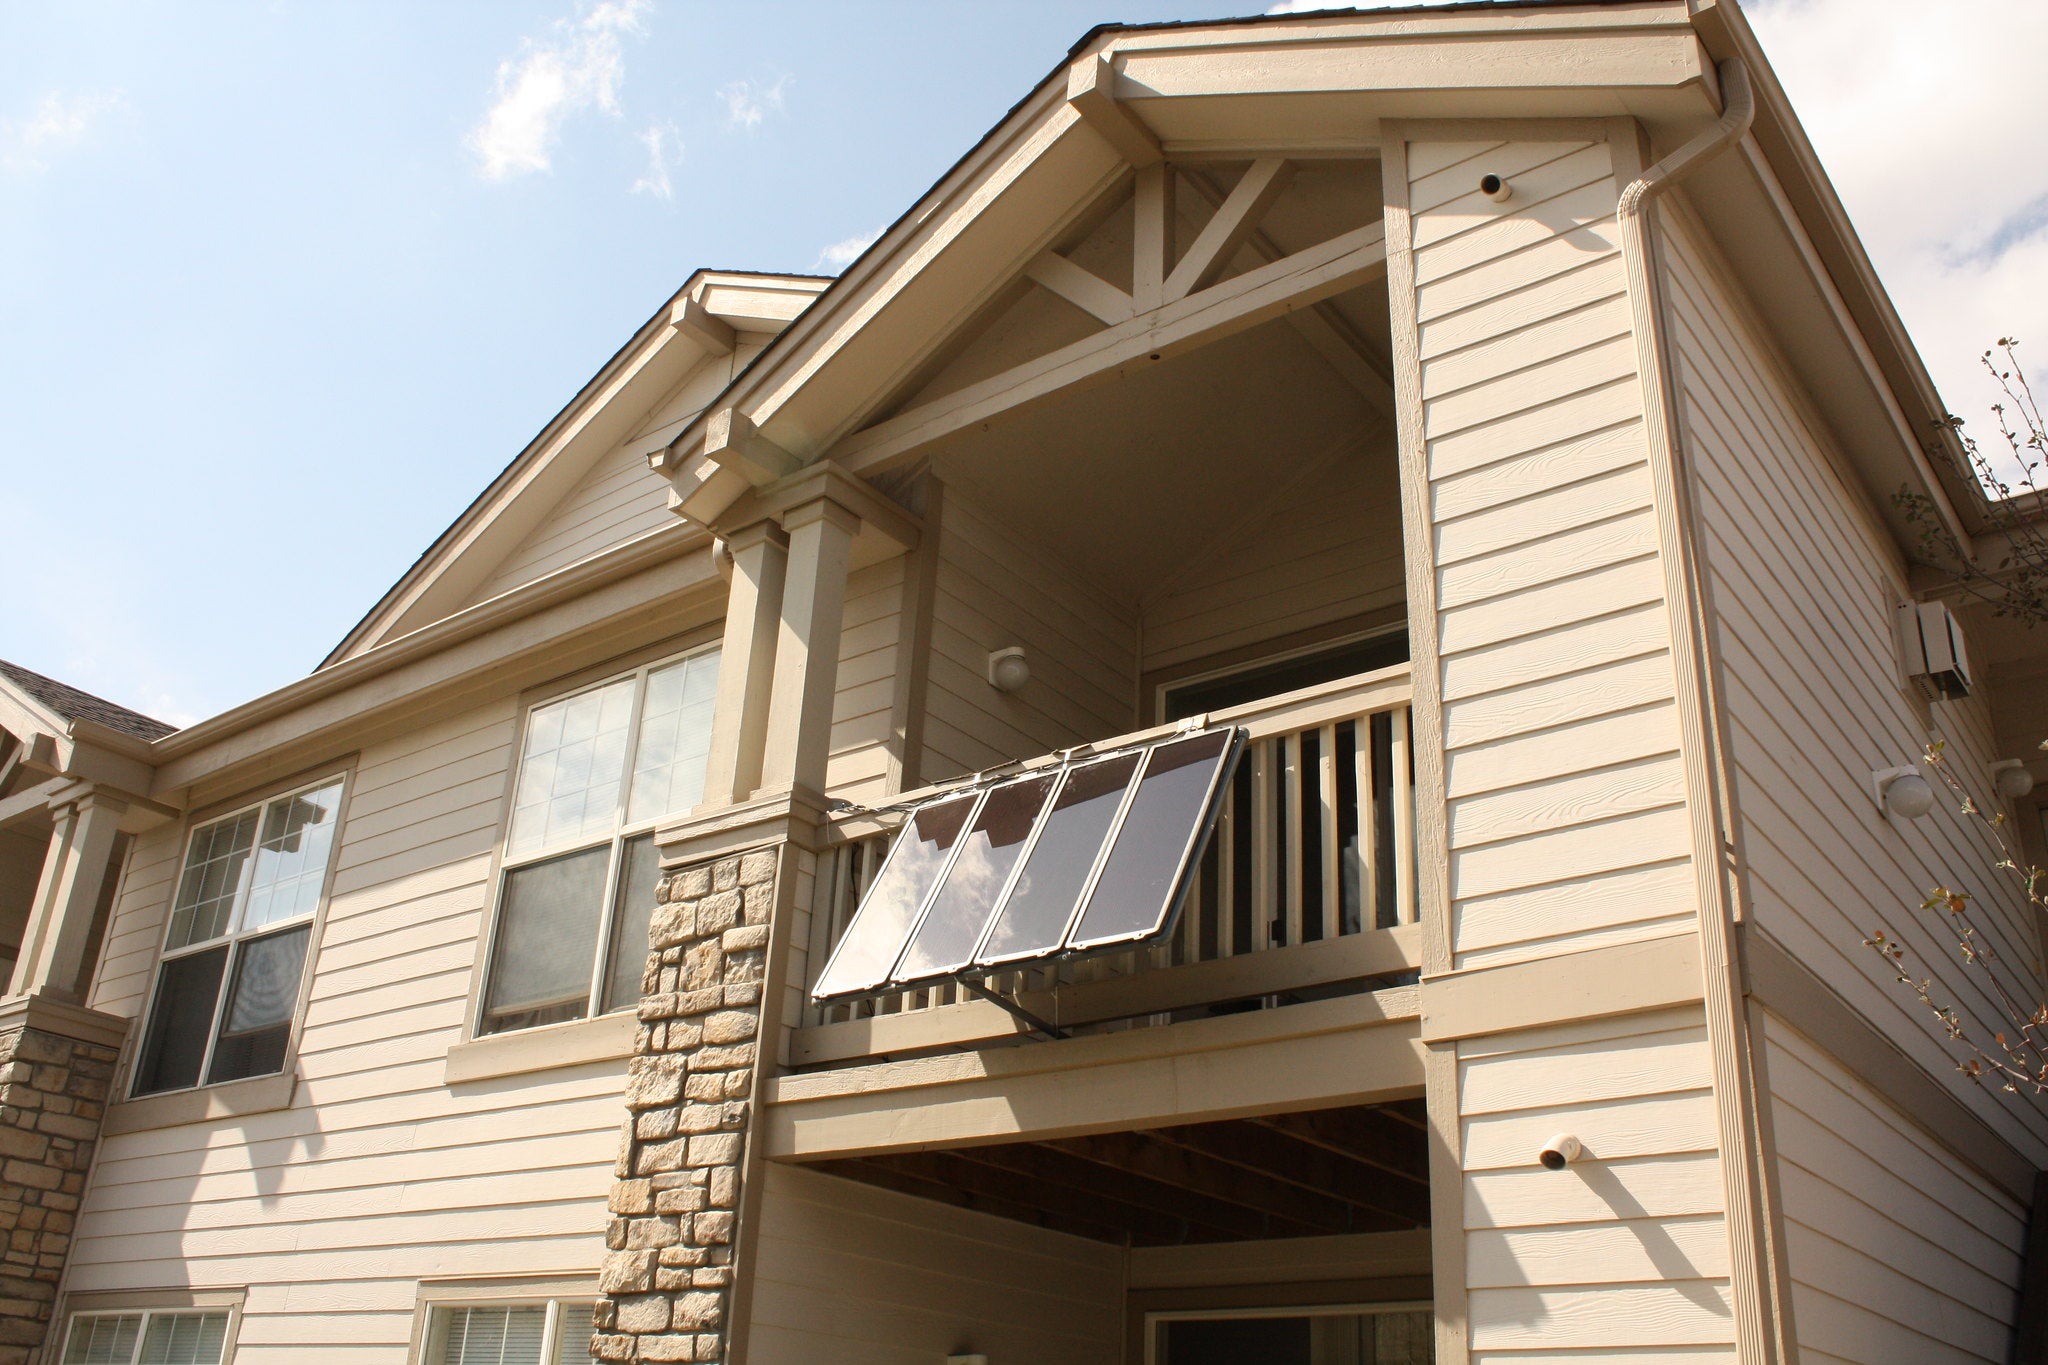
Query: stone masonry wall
x=53, y=1091
x=667, y=1278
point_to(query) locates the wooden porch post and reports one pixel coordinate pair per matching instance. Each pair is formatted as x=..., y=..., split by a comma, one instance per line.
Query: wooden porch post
x=75, y=870
x=739, y=727
x=806, y=673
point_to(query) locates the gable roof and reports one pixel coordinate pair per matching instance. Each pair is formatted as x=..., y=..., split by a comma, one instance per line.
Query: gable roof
x=68, y=703
x=700, y=322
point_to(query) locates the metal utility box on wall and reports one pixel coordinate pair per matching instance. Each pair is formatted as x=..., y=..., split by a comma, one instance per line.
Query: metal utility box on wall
x=1931, y=650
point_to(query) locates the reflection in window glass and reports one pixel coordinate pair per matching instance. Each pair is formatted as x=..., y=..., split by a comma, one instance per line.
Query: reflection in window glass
x=573, y=763
x=213, y=875
x=633, y=907
x=547, y=941
x=597, y=770
x=875, y=938
x=1034, y=920
x=960, y=912
x=675, y=738
x=187, y=989
x=258, y=1020
x=1136, y=890
x=291, y=861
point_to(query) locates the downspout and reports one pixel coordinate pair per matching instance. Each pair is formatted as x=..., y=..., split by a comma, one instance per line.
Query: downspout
x=1752, y=1278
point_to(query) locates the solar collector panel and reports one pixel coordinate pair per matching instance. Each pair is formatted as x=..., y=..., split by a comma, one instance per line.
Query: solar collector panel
x=1093, y=855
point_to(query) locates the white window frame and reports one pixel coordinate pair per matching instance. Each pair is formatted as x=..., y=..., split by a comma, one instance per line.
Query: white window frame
x=622, y=832
x=234, y=937
x=1155, y=1318
x=229, y=1310
x=435, y=1300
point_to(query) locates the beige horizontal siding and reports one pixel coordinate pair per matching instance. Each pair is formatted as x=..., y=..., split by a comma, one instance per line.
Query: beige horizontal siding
x=1895, y=1248
x=860, y=1276
x=379, y=1174
x=1804, y=581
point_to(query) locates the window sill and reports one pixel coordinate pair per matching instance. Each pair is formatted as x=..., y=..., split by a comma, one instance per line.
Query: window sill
x=607, y=1038
x=229, y=1099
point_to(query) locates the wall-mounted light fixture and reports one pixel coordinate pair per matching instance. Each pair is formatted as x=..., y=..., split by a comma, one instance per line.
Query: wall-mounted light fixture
x=1496, y=189
x=2012, y=779
x=975, y=1359
x=1560, y=1152
x=1008, y=669
x=1902, y=793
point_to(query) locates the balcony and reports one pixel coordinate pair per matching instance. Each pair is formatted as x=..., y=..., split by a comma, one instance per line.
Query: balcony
x=1305, y=891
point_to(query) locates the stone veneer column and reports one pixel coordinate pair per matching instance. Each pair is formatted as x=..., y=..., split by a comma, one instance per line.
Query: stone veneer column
x=53, y=1091
x=668, y=1276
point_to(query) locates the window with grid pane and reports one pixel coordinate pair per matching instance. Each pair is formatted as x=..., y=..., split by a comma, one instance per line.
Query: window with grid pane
x=598, y=769
x=235, y=950
x=540, y=1332
x=150, y=1337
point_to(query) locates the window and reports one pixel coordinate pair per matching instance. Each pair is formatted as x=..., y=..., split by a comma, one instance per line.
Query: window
x=1271, y=677
x=235, y=951
x=1389, y=1335
x=146, y=1338
x=599, y=768
x=543, y=1332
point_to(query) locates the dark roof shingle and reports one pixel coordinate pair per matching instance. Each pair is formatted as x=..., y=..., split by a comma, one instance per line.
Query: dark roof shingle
x=72, y=704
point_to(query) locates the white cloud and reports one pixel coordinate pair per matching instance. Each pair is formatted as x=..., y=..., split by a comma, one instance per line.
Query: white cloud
x=747, y=103
x=664, y=144
x=579, y=65
x=59, y=124
x=841, y=254
x=1928, y=120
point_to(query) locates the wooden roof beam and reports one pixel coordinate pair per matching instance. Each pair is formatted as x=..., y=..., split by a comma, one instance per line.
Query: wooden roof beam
x=1237, y=304
x=1091, y=93
x=1233, y=223
x=1083, y=288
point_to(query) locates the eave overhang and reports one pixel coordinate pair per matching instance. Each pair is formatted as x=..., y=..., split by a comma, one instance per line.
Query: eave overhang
x=703, y=320
x=1301, y=86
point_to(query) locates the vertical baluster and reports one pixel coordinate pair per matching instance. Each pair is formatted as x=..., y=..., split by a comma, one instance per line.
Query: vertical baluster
x=1296, y=831
x=825, y=896
x=1264, y=865
x=1367, y=815
x=1404, y=821
x=1332, y=836
x=1227, y=908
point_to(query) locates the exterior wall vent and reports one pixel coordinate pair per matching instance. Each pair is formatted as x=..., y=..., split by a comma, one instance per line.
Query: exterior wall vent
x=1931, y=650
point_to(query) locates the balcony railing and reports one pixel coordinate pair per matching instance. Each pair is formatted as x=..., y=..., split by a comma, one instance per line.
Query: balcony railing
x=1307, y=888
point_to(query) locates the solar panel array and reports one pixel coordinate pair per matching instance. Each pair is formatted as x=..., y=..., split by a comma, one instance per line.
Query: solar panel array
x=1091, y=855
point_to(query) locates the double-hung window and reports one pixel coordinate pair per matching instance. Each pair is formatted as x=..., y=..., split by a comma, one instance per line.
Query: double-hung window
x=235, y=951
x=151, y=1337
x=540, y=1332
x=598, y=769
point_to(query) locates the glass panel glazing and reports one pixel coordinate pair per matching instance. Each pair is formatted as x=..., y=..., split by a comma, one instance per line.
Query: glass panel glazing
x=675, y=738
x=633, y=907
x=875, y=938
x=945, y=942
x=212, y=877
x=1143, y=871
x=572, y=1333
x=488, y=1336
x=258, y=1020
x=187, y=990
x=1033, y=921
x=547, y=941
x=572, y=768
x=184, y=1339
x=291, y=860
x=103, y=1339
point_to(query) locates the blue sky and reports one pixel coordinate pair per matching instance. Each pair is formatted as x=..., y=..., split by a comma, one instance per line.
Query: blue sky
x=283, y=285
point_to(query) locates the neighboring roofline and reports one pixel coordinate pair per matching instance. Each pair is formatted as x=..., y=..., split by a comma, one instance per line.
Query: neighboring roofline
x=46, y=697
x=430, y=559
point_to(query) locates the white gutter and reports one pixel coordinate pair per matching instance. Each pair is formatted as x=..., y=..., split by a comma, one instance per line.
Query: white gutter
x=1752, y=1279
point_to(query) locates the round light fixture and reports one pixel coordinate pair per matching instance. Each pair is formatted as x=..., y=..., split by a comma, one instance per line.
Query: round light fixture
x=2012, y=779
x=1903, y=793
x=1008, y=669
